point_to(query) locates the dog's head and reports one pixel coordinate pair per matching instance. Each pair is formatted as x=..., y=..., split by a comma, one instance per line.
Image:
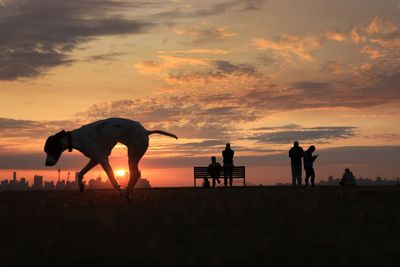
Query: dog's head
x=54, y=148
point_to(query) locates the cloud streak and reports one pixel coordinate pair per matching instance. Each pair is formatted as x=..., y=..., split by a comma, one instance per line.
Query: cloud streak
x=314, y=135
x=295, y=45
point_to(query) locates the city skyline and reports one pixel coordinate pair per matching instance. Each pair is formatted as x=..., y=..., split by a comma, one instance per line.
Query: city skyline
x=39, y=183
x=259, y=74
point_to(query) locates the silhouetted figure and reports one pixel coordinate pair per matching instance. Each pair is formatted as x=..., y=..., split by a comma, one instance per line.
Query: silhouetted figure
x=206, y=182
x=227, y=155
x=96, y=141
x=348, y=178
x=308, y=164
x=295, y=154
x=214, y=170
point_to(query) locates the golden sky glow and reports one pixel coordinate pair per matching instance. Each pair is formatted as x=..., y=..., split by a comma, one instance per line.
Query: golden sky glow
x=258, y=74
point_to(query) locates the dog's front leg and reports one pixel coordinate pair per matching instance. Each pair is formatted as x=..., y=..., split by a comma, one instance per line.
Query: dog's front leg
x=92, y=163
x=110, y=173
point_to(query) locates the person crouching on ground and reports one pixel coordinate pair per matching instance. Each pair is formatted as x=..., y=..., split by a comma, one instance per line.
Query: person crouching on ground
x=214, y=170
x=348, y=178
x=308, y=164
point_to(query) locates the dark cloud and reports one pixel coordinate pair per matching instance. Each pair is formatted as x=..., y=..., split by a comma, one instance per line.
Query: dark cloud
x=205, y=35
x=199, y=9
x=347, y=94
x=217, y=69
x=104, y=57
x=28, y=129
x=266, y=60
x=314, y=135
x=308, y=85
x=284, y=127
x=38, y=34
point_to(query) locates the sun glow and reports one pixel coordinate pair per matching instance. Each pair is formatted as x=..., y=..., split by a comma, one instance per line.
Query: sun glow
x=120, y=172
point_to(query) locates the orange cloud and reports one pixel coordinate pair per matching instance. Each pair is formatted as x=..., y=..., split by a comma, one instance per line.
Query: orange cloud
x=197, y=51
x=357, y=35
x=381, y=26
x=203, y=35
x=291, y=44
x=335, y=36
x=167, y=63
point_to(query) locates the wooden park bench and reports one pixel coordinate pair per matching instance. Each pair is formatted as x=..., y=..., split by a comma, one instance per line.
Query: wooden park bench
x=239, y=172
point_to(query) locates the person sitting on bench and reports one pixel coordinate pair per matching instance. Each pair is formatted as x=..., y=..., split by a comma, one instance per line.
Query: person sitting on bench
x=214, y=170
x=206, y=182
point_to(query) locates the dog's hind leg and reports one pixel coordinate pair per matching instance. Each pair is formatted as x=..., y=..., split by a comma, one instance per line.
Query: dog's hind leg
x=110, y=173
x=92, y=163
x=134, y=172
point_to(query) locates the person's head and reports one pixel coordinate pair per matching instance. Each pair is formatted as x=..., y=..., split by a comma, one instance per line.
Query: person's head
x=296, y=143
x=311, y=149
x=347, y=170
x=213, y=159
x=228, y=146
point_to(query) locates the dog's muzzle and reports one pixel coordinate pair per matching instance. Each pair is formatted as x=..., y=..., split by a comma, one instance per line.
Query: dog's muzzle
x=50, y=161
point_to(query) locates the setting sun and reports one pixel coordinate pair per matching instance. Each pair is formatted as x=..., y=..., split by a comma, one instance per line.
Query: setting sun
x=120, y=172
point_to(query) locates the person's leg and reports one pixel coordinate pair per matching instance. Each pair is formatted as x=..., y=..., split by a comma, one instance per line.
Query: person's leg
x=298, y=174
x=293, y=175
x=213, y=181
x=312, y=176
x=225, y=176
x=230, y=175
x=307, y=176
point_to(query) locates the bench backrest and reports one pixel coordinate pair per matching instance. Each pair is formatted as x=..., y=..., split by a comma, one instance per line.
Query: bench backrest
x=238, y=172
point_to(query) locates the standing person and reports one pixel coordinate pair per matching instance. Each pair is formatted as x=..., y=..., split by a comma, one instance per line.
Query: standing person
x=308, y=164
x=295, y=155
x=227, y=154
x=214, y=170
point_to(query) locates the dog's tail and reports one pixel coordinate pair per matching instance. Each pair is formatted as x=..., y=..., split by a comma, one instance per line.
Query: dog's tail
x=162, y=132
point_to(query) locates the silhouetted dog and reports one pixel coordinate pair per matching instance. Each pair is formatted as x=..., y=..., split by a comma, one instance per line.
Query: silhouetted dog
x=97, y=139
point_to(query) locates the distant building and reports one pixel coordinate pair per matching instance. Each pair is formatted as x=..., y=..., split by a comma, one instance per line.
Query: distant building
x=49, y=185
x=37, y=182
x=61, y=185
x=143, y=183
x=99, y=184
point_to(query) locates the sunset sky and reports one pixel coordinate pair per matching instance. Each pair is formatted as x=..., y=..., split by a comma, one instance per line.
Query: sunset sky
x=258, y=74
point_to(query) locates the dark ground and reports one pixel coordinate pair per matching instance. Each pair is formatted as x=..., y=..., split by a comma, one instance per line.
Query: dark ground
x=325, y=226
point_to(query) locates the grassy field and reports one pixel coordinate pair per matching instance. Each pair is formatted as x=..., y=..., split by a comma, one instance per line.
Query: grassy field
x=325, y=226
